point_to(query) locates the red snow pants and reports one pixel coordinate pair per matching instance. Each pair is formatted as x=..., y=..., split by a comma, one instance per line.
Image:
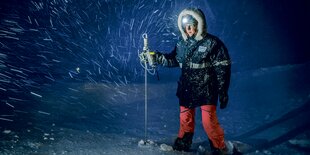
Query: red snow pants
x=209, y=121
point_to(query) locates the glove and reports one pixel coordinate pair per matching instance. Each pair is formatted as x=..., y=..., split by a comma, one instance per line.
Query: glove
x=223, y=97
x=143, y=57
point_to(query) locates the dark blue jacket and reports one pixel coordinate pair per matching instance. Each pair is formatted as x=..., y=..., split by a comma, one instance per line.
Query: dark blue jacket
x=206, y=70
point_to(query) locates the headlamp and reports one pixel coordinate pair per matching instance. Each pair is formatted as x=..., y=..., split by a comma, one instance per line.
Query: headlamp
x=188, y=20
x=184, y=20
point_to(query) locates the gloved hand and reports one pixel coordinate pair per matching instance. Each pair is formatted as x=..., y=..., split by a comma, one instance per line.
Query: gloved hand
x=223, y=97
x=144, y=57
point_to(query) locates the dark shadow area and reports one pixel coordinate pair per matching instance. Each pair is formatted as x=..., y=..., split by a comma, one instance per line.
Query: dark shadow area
x=278, y=131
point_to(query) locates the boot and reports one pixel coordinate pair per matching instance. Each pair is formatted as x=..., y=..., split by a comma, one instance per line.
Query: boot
x=183, y=144
x=229, y=149
x=217, y=151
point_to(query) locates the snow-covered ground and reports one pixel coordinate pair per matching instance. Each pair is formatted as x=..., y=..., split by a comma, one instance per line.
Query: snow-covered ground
x=88, y=118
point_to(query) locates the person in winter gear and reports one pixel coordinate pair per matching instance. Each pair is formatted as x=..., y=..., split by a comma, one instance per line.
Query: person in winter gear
x=205, y=76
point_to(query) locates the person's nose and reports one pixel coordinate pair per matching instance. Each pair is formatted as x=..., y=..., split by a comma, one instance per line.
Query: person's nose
x=189, y=27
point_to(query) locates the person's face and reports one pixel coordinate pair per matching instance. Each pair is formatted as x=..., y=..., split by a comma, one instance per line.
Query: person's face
x=190, y=30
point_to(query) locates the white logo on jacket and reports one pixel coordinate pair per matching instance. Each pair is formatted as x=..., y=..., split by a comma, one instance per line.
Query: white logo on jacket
x=202, y=49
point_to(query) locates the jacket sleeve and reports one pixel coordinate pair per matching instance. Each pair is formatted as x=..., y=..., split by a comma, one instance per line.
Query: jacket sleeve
x=222, y=67
x=167, y=60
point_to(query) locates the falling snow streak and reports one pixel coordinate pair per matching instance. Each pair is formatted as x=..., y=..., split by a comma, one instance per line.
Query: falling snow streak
x=45, y=113
x=35, y=94
x=10, y=105
x=5, y=119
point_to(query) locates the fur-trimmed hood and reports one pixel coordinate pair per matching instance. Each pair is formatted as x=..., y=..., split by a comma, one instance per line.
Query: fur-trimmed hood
x=201, y=26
